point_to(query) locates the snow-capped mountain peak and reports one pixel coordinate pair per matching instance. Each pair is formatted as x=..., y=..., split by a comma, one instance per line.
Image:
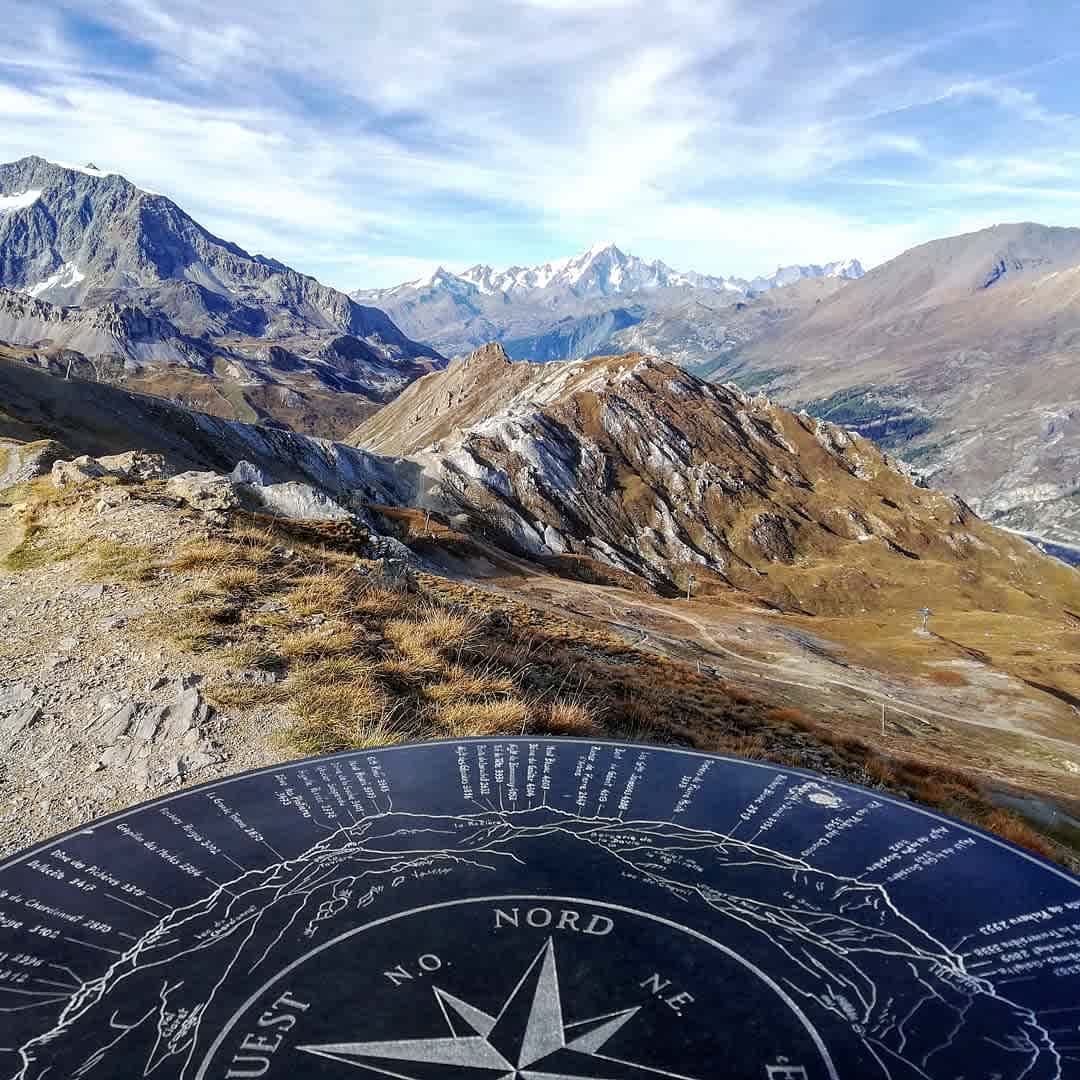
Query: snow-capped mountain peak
x=847, y=268
x=89, y=169
x=788, y=275
x=465, y=309
x=603, y=270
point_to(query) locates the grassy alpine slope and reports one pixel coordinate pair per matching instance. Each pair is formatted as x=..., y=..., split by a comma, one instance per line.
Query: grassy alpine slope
x=306, y=647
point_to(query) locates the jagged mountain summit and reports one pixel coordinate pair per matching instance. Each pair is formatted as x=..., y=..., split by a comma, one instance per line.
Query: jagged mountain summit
x=847, y=269
x=535, y=310
x=603, y=270
x=92, y=264
x=960, y=354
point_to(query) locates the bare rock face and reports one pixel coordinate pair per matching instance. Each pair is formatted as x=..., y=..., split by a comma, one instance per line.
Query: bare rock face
x=205, y=491
x=246, y=473
x=27, y=461
x=248, y=486
x=136, y=465
x=21, y=719
x=71, y=473
x=292, y=500
x=133, y=465
x=154, y=744
x=119, y=283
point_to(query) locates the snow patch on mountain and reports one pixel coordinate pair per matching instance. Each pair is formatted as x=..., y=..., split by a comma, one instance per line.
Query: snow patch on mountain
x=788, y=275
x=86, y=170
x=603, y=270
x=20, y=201
x=67, y=277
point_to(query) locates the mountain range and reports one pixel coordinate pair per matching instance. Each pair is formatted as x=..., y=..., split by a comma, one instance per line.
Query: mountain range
x=958, y=355
x=961, y=355
x=117, y=281
x=565, y=309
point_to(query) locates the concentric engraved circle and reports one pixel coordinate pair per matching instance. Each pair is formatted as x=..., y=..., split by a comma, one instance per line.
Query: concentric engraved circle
x=536, y=909
x=645, y=985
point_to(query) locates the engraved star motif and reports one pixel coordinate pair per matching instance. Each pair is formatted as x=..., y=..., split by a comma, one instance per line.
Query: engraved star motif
x=528, y=1040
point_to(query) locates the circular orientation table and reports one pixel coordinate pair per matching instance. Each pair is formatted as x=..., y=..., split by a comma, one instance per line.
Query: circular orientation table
x=549, y=909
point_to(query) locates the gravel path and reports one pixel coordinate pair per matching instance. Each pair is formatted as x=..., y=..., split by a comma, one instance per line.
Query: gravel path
x=97, y=713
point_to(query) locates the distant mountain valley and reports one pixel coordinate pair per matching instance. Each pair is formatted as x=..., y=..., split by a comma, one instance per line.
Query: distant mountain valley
x=958, y=356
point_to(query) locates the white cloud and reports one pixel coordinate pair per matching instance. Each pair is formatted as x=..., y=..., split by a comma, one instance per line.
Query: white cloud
x=371, y=139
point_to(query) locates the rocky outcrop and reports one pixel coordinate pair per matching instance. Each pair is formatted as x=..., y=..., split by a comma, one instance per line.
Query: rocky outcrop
x=132, y=465
x=156, y=744
x=293, y=500
x=20, y=462
x=204, y=491
x=97, y=420
x=73, y=473
x=213, y=492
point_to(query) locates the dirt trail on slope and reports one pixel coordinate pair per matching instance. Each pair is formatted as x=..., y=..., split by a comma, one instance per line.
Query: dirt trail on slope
x=994, y=722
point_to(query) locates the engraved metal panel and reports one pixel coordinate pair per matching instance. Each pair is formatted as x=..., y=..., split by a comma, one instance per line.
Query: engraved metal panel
x=542, y=909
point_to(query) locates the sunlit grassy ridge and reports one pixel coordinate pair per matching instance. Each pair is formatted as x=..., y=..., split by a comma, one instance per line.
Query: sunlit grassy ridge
x=353, y=658
x=364, y=663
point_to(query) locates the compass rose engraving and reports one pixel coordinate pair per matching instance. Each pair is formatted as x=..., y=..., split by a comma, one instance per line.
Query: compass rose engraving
x=528, y=1039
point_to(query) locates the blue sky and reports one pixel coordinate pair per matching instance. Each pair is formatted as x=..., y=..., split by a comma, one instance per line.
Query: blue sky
x=366, y=141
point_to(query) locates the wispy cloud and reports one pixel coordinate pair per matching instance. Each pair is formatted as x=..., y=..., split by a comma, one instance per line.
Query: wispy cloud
x=365, y=143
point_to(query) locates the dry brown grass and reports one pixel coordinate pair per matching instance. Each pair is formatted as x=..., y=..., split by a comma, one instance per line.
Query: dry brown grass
x=747, y=746
x=433, y=631
x=328, y=671
x=237, y=695
x=462, y=719
x=111, y=560
x=389, y=665
x=461, y=684
x=364, y=733
x=234, y=578
x=338, y=704
x=215, y=553
x=323, y=593
x=318, y=642
x=789, y=715
x=944, y=677
x=254, y=535
x=572, y=718
x=1011, y=828
x=203, y=554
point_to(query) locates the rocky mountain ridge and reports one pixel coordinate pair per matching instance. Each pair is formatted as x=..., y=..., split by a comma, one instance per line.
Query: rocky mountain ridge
x=634, y=464
x=522, y=306
x=627, y=467
x=161, y=300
